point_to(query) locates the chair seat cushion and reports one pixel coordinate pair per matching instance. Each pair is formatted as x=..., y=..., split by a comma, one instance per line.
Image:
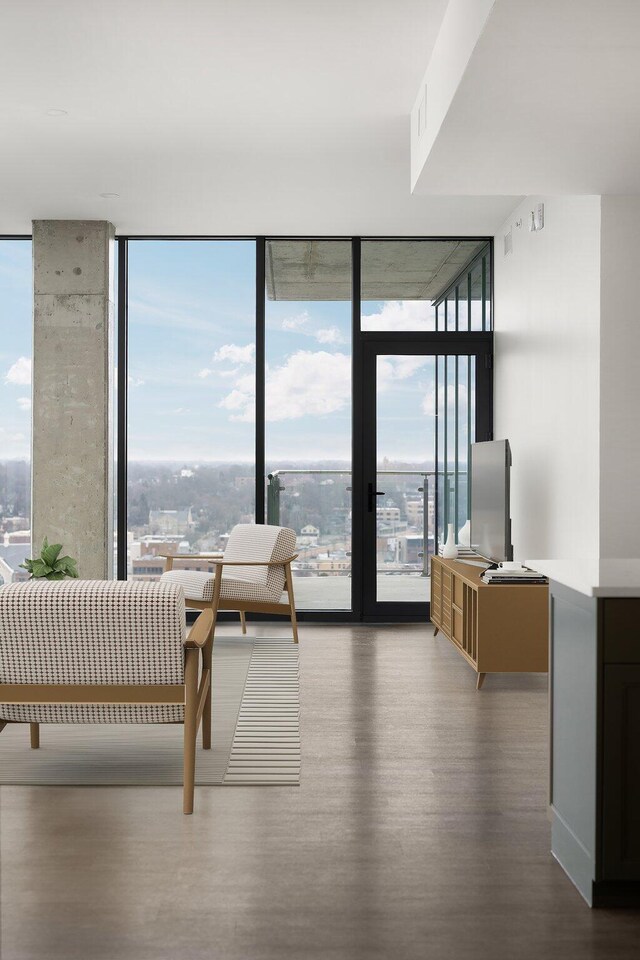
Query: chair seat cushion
x=92, y=713
x=199, y=586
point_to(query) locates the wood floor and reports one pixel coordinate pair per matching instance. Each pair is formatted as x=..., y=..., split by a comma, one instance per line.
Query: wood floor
x=419, y=831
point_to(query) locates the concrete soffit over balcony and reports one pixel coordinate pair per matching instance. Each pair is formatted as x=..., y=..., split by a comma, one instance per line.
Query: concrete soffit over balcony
x=391, y=270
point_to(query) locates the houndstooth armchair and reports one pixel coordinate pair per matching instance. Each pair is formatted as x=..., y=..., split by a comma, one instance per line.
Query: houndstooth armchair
x=93, y=651
x=252, y=575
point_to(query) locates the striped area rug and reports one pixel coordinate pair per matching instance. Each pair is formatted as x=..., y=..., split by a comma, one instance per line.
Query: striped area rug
x=255, y=733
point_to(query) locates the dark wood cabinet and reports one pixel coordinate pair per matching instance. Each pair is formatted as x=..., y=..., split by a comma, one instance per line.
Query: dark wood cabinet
x=595, y=743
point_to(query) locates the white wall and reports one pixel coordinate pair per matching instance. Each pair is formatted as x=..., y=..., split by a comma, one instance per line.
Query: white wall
x=547, y=376
x=461, y=27
x=620, y=378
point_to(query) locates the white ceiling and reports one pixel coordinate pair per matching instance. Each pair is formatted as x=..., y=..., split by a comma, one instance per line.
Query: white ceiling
x=549, y=103
x=220, y=117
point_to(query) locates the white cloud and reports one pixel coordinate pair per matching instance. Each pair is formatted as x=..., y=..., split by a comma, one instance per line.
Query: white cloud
x=13, y=444
x=234, y=353
x=302, y=323
x=328, y=335
x=206, y=372
x=392, y=369
x=24, y=403
x=429, y=400
x=20, y=372
x=309, y=383
x=296, y=323
x=401, y=315
x=135, y=381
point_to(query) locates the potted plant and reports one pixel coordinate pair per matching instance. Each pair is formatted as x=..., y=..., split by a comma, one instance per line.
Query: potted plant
x=50, y=565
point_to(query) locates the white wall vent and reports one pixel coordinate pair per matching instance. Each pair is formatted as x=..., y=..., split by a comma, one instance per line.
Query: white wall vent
x=508, y=242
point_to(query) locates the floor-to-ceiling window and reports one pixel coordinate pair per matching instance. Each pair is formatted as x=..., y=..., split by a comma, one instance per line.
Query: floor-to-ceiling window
x=308, y=411
x=329, y=385
x=191, y=397
x=16, y=311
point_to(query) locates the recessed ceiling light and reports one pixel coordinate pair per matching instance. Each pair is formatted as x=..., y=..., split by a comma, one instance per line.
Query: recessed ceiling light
x=110, y=196
x=57, y=113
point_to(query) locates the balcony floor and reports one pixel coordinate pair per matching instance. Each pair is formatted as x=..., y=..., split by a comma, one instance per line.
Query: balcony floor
x=334, y=593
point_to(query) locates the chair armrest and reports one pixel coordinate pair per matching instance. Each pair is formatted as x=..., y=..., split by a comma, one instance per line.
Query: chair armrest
x=253, y=563
x=189, y=556
x=199, y=633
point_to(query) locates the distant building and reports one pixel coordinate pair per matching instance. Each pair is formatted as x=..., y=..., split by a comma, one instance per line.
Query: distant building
x=10, y=559
x=388, y=514
x=11, y=524
x=415, y=512
x=410, y=547
x=175, y=522
x=17, y=536
x=308, y=536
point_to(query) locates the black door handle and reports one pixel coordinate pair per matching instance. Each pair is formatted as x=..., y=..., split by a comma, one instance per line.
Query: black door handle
x=371, y=493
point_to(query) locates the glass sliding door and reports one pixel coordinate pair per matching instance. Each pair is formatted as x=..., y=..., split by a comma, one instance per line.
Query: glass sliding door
x=191, y=397
x=308, y=412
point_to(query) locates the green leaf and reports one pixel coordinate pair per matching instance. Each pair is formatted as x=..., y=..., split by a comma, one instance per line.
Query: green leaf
x=67, y=566
x=39, y=568
x=55, y=576
x=50, y=553
x=27, y=565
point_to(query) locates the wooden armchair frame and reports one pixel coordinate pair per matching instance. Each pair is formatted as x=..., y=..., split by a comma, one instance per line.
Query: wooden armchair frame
x=193, y=695
x=242, y=606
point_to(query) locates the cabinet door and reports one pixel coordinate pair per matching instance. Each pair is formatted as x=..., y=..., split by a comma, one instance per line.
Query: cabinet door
x=436, y=593
x=621, y=770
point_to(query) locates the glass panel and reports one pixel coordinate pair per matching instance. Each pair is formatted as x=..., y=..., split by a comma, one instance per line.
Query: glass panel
x=463, y=305
x=487, y=295
x=191, y=473
x=405, y=438
x=308, y=412
x=456, y=431
x=476, y=312
x=16, y=311
x=451, y=311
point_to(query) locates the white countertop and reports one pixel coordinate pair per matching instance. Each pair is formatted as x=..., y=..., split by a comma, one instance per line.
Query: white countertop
x=594, y=578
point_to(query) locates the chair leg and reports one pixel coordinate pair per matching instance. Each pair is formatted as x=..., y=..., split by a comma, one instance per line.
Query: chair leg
x=190, y=729
x=207, y=659
x=34, y=730
x=292, y=604
x=243, y=621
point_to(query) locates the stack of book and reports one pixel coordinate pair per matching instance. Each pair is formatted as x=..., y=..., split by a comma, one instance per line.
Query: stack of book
x=521, y=575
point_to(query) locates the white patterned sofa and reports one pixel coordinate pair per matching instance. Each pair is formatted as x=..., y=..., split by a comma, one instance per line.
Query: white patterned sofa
x=93, y=651
x=250, y=576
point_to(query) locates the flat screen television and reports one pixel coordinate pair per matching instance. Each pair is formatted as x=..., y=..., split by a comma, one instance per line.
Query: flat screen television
x=490, y=510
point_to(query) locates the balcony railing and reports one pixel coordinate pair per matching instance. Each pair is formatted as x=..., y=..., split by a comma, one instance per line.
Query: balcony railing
x=276, y=487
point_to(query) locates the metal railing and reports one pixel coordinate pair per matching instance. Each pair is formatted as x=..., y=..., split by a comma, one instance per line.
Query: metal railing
x=276, y=487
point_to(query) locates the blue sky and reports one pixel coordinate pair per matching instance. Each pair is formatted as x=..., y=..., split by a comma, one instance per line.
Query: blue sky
x=191, y=362
x=15, y=348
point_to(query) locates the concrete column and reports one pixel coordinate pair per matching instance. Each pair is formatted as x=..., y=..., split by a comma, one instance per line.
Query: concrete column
x=73, y=373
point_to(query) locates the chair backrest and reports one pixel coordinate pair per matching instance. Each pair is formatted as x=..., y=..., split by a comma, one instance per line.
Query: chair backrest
x=253, y=541
x=92, y=631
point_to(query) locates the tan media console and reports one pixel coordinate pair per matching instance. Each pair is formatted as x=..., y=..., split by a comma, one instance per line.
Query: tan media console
x=497, y=628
